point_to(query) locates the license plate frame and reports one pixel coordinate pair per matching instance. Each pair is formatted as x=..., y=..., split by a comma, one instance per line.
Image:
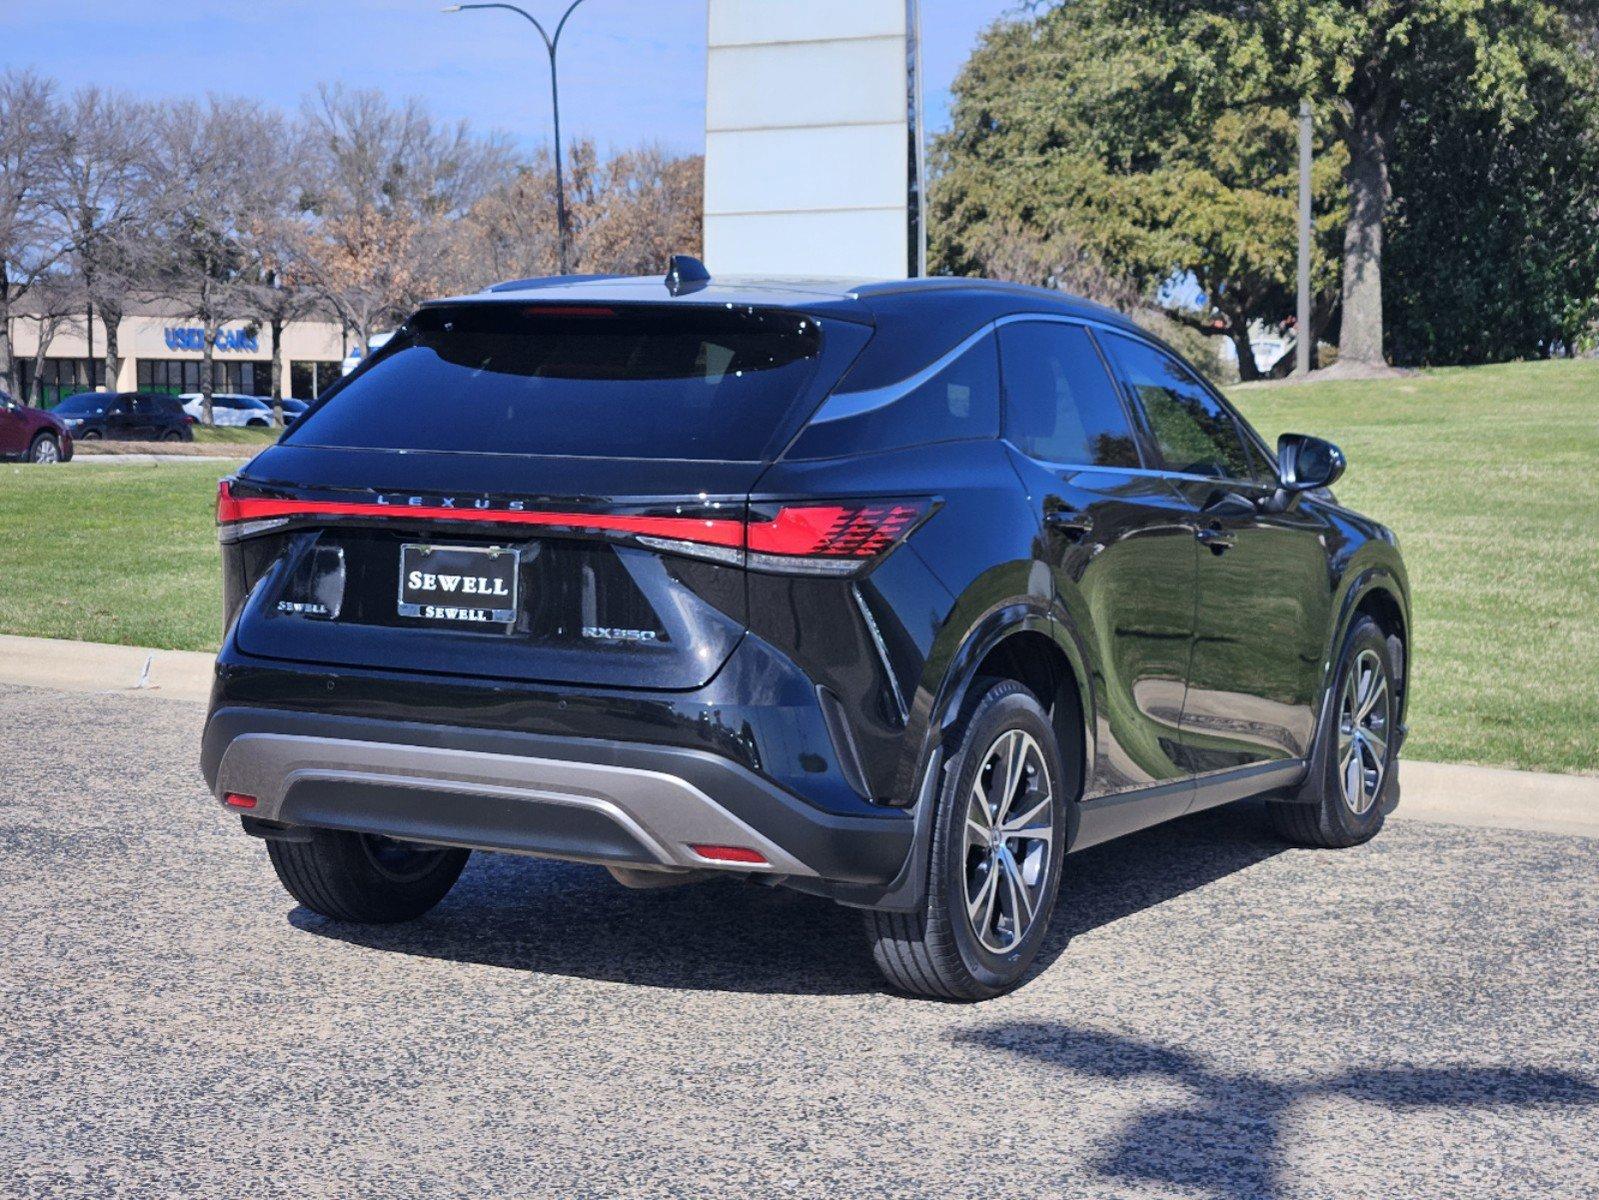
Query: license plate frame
x=492, y=607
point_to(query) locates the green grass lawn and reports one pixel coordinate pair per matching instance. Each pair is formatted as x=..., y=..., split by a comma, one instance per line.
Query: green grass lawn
x=112, y=553
x=1490, y=476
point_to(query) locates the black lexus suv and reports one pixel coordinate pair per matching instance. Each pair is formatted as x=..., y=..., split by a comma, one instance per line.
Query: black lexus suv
x=894, y=593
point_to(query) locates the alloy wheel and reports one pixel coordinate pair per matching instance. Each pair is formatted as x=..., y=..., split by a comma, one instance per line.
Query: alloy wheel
x=1010, y=841
x=46, y=451
x=1365, y=712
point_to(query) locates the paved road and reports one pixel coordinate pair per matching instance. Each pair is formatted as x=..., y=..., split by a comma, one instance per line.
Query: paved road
x=1416, y=1018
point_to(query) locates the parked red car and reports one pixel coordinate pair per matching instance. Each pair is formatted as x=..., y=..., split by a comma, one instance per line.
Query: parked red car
x=31, y=434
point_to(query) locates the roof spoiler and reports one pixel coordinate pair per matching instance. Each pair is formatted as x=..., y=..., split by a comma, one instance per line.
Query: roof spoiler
x=538, y=281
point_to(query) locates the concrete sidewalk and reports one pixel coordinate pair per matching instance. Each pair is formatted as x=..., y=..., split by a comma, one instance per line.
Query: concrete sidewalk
x=96, y=667
x=1445, y=793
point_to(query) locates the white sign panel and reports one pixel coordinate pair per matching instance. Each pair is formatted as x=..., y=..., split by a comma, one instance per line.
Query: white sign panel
x=812, y=139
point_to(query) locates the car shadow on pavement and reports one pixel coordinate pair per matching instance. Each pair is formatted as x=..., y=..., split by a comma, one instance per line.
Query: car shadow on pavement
x=555, y=918
x=1226, y=1140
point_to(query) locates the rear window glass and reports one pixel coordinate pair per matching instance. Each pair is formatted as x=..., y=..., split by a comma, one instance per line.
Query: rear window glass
x=691, y=383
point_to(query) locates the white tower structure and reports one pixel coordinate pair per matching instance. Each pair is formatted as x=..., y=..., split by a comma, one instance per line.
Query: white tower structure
x=813, y=139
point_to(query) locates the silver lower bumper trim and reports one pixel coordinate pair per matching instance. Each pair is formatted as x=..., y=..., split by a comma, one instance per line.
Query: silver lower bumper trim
x=664, y=814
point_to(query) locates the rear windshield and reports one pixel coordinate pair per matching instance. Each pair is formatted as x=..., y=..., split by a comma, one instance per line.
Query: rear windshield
x=693, y=383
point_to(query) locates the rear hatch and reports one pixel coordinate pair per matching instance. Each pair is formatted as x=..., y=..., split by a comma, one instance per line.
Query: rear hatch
x=534, y=492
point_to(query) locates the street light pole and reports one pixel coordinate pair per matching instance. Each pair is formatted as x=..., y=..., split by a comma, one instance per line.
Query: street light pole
x=1302, y=347
x=551, y=43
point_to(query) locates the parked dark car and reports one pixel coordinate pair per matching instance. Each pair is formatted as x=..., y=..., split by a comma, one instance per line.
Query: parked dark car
x=126, y=416
x=894, y=593
x=31, y=434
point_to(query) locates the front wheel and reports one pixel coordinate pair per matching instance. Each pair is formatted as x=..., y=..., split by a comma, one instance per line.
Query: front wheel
x=1362, y=754
x=45, y=450
x=998, y=842
x=363, y=878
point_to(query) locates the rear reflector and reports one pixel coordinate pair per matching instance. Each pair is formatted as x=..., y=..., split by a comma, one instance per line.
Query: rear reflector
x=736, y=854
x=830, y=538
x=238, y=800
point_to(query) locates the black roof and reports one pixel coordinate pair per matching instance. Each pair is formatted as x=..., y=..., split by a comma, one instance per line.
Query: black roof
x=979, y=300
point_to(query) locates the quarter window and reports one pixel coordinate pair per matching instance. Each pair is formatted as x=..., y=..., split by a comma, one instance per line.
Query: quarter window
x=1060, y=404
x=957, y=402
x=1194, y=433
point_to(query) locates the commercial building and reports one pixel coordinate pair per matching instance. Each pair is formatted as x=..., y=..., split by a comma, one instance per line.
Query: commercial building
x=161, y=351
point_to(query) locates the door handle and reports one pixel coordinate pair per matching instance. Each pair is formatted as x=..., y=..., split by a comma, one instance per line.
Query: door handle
x=1070, y=522
x=1215, y=537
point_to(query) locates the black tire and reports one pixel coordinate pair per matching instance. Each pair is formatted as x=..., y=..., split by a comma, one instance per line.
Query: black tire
x=45, y=449
x=1334, y=821
x=937, y=951
x=172, y=435
x=256, y=423
x=363, y=879
x=90, y=435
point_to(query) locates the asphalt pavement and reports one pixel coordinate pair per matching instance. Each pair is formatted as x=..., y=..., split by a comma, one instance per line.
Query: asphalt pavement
x=1218, y=1016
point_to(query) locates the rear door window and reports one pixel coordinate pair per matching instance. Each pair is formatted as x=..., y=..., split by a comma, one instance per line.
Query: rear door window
x=1061, y=405
x=946, y=402
x=591, y=380
x=1195, y=434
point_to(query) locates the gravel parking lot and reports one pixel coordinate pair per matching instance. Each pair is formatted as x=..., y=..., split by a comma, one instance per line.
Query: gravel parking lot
x=1416, y=1018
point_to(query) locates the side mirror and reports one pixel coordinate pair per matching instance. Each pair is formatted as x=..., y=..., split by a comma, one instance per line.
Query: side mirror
x=1307, y=463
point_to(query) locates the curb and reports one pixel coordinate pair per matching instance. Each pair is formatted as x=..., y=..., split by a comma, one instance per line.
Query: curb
x=105, y=669
x=1442, y=793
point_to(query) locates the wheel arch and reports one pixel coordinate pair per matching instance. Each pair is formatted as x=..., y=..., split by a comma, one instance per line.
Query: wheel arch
x=1017, y=640
x=1379, y=591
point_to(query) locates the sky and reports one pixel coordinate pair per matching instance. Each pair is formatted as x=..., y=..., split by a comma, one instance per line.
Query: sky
x=631, y=70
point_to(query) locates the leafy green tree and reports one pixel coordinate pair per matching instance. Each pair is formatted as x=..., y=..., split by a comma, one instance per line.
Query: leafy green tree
x=1495, y=226
x=1073, y=147
x=1368, y=64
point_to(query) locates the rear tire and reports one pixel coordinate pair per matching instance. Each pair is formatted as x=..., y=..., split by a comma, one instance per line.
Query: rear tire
x=364, y=879
x=991, y=892
x=172, y=435
x=1362, y=757
x=45, y=450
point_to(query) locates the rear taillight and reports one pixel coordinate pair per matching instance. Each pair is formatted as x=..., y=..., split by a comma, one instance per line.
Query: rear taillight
x=829, y=538
x=832, y=538
x=836, y=538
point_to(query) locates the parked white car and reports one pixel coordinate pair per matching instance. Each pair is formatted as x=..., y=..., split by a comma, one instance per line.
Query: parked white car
x=352, y=360
x=229, y=408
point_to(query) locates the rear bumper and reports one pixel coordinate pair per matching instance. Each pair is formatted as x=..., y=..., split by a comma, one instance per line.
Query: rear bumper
x=581, y=799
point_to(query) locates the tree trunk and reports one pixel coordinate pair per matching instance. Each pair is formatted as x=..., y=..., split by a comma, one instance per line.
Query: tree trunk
x=207, y=360
x=1248, y=368
x=47, y=333
x=8, y=360
x=1360, y=338
x=277, y=370
x=111, y=317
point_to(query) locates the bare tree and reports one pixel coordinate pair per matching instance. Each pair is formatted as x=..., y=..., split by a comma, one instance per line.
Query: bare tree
x=102, y=192
x=30, y=243
x=647, y=205
x=391, y=185
x=627, y=215
x=55, y=302
x=276, y=237
x=210, y=195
